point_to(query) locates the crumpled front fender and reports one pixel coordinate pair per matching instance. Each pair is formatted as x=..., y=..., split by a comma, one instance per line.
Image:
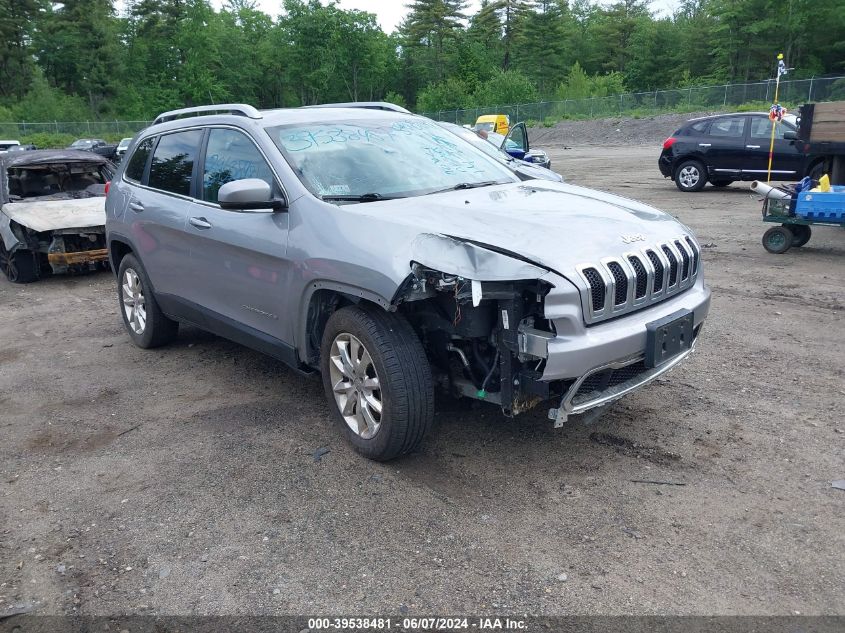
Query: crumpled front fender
x=10, y=240
x=470, y=260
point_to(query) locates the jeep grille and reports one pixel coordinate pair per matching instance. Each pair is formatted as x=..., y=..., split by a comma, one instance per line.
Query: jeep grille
x=618, y=285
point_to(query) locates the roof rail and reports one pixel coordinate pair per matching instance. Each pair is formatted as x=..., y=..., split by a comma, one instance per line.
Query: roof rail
x=240, y=109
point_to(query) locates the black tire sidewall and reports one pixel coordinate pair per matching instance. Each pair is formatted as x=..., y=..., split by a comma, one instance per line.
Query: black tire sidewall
x=777, y=250
x=25, y=264
x=390, y=438
x=702, y=175
x=155, y=320
x=801, y=234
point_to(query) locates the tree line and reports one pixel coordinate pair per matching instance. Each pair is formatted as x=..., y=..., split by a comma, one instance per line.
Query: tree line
x=81, y=59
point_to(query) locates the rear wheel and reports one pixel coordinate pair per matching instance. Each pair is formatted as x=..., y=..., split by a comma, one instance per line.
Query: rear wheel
x=146, y=323
x=721, y=183
x=690, y=176
x=777, y=239
x=800, y=234
x=20, y=267
x=817, y=171
x=377, y=380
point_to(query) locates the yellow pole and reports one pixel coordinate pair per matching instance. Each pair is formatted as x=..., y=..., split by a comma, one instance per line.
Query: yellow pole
x=774, y=124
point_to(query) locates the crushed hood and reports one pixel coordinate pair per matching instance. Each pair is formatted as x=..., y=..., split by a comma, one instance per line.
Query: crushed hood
x=556, y=225
x=49, y=215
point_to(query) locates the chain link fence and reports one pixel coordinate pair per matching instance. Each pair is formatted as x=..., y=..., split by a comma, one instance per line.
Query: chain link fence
x=726, y=97
x=81, y=129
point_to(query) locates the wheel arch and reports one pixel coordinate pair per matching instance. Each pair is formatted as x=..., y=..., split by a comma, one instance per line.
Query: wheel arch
x=320, y=301
x=119, y=247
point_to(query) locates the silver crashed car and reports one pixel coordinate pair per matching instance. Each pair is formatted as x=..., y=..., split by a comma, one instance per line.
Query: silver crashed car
x=394, y=258
x=52, y=218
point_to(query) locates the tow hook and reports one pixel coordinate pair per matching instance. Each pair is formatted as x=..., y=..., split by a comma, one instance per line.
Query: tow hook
x=559, y=416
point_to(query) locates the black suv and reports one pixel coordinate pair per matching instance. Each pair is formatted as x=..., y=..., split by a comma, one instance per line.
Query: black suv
x=728, y=147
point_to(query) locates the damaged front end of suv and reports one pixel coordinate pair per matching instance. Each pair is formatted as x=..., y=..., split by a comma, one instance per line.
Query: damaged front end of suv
x=52, y=218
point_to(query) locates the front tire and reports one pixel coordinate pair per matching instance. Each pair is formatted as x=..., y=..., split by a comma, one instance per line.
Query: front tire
x=378, y=381
x=20, y=267
x=777, y=239
x=690, y=176
x=144, y=321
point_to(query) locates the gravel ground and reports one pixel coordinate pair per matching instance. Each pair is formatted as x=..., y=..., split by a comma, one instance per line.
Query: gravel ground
x=183, y=480
x=612, y=131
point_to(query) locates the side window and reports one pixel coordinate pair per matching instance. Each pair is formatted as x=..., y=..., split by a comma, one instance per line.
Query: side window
x=231, y=155
x=173, y=162
x=138, y=161
x=730, y=127
x=761, y=127
x=697, y=129
x=516, y=139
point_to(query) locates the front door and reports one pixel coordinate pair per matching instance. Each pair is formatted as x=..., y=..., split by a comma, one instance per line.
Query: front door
x=787, y=161
x=516, y=142
x=239, y=266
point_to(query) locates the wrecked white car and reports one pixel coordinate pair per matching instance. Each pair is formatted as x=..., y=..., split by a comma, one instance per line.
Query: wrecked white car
x=52, y=218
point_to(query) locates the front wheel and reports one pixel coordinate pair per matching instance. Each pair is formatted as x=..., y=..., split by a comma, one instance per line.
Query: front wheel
x=378, y=381
x=690, y=176
x=777, y=240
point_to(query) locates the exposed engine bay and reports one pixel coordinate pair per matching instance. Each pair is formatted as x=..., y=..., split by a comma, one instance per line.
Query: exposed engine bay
x=484, y=340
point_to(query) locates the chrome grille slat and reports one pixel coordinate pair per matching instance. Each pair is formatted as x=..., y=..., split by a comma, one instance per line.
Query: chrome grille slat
x=639, y=277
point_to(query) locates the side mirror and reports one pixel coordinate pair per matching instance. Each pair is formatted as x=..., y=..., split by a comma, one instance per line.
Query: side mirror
x=248, y=194
x=790, y=135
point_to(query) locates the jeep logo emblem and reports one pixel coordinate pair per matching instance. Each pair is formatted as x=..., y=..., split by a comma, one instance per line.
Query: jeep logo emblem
x=634, y=237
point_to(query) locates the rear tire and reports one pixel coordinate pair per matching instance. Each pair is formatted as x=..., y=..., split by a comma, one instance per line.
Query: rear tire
x=20, y=267
x=801, y=234
x=816, y=171
x=777, y=239
x=377, y=380
x=690, y=176
x=144, y=321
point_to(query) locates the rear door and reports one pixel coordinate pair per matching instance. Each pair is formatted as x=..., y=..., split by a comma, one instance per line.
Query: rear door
x=159, y=206
x=724, y=146
x=787, y=160
x=239, y=267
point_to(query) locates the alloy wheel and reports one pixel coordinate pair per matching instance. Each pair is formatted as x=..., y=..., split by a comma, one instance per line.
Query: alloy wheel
x=356, y=386
x=689, y=176
x=134, y=304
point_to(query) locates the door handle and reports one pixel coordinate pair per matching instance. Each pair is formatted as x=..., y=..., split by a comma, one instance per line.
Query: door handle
x=136, y=206
x=752, y=147
x=200, y=223
x=704, y=144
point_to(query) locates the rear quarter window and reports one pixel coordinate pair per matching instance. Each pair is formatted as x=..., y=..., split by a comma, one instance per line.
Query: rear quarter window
x=138, y=161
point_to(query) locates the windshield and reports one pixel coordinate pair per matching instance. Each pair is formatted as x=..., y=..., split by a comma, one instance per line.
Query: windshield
x=57, y=180
x=471, y=137
x=81, y=144
x=487, y=127
x=124, y=143
x=388, y=157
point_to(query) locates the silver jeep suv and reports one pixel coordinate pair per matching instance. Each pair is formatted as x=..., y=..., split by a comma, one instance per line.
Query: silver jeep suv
x=393, y=257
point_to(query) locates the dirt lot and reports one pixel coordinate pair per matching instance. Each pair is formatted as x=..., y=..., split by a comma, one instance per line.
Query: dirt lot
x=183, y=480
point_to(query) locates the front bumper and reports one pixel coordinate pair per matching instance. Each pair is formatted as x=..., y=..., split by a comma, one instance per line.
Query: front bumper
x=603, y=362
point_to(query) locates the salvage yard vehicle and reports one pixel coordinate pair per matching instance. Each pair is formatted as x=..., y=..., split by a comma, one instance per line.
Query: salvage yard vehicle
x=498, y=123
x=5, y=146
x=516, y=144
x=96, y=145
x=122, y=147
x=52, y=217
x=725, y=148
x=524, y=169
x=391, y=257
